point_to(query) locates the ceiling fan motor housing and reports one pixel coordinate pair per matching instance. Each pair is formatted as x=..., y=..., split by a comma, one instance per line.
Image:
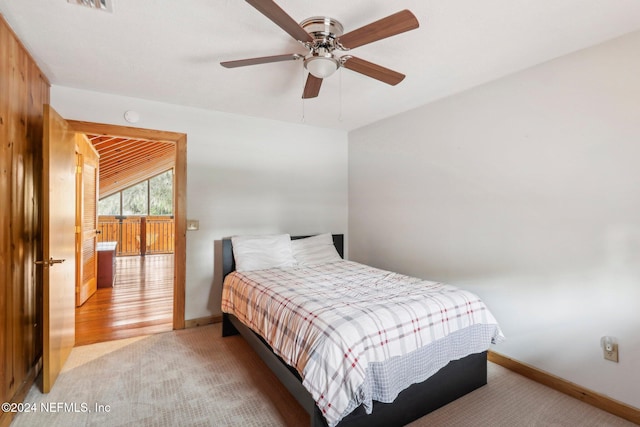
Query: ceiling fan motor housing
x=324, y=30
x=320, y=62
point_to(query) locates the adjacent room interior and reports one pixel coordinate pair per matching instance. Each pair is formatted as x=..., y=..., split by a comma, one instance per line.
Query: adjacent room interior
x=135, y=241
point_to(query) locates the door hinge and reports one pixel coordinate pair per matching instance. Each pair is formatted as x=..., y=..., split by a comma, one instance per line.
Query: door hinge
x=78, y=169
x=78, y=229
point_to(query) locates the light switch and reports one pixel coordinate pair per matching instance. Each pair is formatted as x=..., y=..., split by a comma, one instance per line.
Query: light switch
x=193, y=224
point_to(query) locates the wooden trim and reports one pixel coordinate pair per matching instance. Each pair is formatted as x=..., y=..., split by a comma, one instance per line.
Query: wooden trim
x=180, y=214
x=201, y=321
x=598, y=400
x=126, y=131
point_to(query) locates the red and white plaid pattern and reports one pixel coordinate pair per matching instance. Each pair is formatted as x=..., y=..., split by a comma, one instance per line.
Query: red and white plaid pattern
x=332, y=320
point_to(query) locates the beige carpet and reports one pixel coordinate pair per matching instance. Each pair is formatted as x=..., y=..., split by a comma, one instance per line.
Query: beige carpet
x=192, y=378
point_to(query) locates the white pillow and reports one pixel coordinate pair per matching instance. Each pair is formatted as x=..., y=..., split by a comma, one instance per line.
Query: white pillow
x=262, y=252
x=315, y=250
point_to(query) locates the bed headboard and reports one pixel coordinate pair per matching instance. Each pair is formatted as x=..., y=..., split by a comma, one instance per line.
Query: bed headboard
x=229, y=264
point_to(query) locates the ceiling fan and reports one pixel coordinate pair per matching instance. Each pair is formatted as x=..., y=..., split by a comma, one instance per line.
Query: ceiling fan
x=323, y=36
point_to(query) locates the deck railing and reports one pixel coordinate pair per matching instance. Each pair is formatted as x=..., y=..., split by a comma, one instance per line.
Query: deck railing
x=158, y=238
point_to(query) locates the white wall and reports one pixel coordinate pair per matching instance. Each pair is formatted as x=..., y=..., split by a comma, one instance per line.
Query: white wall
x=244, y=176
x=527, y=191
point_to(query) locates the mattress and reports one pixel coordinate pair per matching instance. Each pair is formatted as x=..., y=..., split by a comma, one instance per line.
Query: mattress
x=356, y=333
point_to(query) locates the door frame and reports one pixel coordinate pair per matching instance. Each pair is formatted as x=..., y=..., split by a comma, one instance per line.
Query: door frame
x=180, y=203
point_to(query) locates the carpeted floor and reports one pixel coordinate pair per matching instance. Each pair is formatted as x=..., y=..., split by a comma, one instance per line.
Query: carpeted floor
x=194, y=377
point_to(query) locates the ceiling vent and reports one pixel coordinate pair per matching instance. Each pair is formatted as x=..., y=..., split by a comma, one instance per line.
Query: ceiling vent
x=105, y=5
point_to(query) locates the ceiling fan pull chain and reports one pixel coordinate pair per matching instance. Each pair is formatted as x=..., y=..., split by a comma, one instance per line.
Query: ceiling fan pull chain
x=302, y=98
x=340, y=95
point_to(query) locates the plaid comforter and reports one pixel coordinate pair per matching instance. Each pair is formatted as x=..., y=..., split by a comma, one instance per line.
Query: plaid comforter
x=336, y=323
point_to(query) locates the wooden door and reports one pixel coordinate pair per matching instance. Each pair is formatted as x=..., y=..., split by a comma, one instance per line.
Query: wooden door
x=58, y=236
x=86, y=219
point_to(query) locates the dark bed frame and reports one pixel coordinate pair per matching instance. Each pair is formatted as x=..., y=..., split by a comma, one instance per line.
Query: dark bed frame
x=455, y=380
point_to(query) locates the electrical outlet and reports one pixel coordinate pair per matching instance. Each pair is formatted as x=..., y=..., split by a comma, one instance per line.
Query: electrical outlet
x=611, y=352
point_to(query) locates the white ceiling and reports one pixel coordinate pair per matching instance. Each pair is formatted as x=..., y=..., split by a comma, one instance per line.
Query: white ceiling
x=170, y=51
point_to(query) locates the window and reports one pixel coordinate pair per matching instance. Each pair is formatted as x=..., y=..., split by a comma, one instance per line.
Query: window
x=161, y=194
x=135, y=200
x=109, y=205
x=151, y=197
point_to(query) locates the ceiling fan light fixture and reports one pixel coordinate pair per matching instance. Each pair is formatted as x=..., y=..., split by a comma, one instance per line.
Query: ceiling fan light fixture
x=321, y=66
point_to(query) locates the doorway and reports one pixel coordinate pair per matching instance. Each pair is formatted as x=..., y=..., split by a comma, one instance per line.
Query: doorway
x=150, y=267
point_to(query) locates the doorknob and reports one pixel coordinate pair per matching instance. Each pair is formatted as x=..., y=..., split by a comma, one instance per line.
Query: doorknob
x=49, y=262
x=98, y=231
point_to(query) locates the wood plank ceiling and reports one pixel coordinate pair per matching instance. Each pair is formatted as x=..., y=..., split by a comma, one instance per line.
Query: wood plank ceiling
x=125, y=161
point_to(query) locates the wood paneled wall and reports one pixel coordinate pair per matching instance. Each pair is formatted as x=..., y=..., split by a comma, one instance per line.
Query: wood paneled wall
x=23, y=91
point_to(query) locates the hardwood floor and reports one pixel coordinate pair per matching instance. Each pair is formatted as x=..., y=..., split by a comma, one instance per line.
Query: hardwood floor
x=140, y=302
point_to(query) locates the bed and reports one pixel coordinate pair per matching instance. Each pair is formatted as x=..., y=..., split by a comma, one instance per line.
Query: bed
x=444, y=366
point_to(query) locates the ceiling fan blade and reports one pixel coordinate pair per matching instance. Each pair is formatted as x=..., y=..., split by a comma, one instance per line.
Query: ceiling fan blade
x=311, y=87
x=261, y=60
x=272, y=11
x=386, y=27
x=372, y=70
